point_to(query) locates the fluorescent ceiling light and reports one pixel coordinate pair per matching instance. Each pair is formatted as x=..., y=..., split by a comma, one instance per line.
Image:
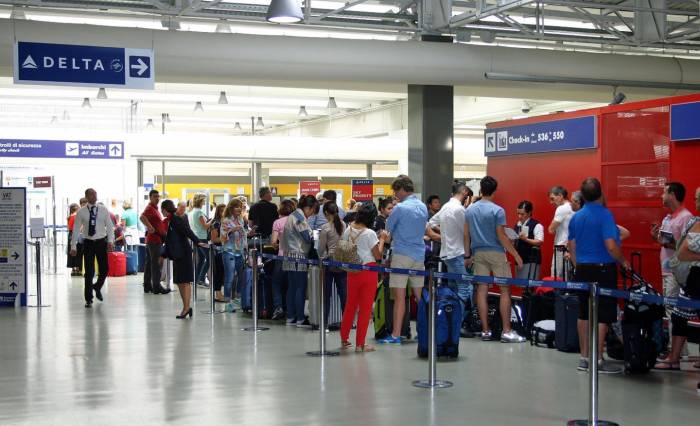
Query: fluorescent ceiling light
x=260, y=123
x=86, y=103
x=198, y=106
x=237, y=127
x=302, y=111
x=284, y=12
x=102, y=93
x=223, y=100
x=331, y=103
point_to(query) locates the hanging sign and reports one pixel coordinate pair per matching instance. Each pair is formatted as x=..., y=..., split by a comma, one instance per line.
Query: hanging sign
x=61, y=149
x=13, y=246
x=685, y=122
x=309, y=187
x=362, y=189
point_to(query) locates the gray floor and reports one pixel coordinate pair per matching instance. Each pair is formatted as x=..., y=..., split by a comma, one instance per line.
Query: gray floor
x=128, y=361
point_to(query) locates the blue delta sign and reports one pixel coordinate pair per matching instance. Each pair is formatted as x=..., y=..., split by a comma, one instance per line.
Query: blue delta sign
x=73, y=65
x=685, y=121
x=549, y=136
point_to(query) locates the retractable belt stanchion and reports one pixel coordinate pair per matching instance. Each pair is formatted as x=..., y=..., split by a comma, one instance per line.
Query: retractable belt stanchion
x=592, y=364
x=211, y=274
x=321, y=316
x=255, y=328
x=37, y=246
x=432, y=381
x=195, y=254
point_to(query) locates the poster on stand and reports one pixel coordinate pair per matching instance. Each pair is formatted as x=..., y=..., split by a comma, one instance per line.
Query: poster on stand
x=13, y=246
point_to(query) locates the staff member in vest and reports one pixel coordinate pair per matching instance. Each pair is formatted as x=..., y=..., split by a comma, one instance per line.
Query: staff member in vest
x=98, y=232
x=594, y=240
x=530, y=238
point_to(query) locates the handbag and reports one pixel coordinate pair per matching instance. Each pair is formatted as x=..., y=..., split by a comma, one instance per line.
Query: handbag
x=346, y=251
x=681, y=268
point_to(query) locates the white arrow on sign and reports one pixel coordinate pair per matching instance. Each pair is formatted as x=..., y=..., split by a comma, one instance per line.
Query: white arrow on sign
x=141, y=66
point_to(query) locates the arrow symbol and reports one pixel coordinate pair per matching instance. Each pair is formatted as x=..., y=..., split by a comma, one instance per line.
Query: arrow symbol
x=141, y=66
x=13, y=285
x=16, y=255
x=115, y=149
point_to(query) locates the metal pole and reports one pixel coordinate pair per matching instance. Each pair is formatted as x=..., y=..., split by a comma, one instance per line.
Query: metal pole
x=55, y=239
x=212, y=295
x=195, y=254
x=321, y=316
x=592, y=364
x=37, y=246
x=254, y=257
x=432, y=381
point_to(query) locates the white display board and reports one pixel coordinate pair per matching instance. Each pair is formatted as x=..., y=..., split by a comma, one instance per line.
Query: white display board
x=13, y=246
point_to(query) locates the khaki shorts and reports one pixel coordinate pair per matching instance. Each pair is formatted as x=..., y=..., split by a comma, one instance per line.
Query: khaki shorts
x=492, y=262
x=404, y=262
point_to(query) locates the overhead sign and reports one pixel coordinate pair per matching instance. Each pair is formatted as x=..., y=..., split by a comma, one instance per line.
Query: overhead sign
x=61, y=149
x=42, y=182
x=362, y=189
x=309, y=187
x=13, y=246
x=685, y=122
x=75, y=65
x=549, y=136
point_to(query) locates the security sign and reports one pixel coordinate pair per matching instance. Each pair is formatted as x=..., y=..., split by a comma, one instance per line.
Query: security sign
x=74, y=65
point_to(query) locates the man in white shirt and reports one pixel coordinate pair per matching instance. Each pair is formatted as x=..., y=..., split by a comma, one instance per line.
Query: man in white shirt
x=560, y=228
x=450, y=220
x=98, y=238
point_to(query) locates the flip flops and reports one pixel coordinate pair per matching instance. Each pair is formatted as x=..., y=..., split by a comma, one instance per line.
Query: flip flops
x=667, y=366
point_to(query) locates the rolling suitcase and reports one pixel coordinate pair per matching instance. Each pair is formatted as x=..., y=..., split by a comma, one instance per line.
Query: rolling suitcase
x=132, y=261
x=142, y=254
x=566, y=318
x=116, y=264
x=448, y=321
x=383, y=318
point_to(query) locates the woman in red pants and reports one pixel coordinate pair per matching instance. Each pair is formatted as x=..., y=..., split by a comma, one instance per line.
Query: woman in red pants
x=362, y=285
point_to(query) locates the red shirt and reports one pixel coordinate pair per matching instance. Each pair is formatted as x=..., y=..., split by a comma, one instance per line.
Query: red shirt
x=153, y=215
x=71, y=222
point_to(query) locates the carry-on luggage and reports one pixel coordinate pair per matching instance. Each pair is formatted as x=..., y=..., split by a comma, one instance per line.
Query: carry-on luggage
x=543, y=334
x=448, y=320
x=132, y=262
x=537, y=306
x=116, y=264
x=142, y=253
x=384, y=311
x=335, y=315
x=566, y=319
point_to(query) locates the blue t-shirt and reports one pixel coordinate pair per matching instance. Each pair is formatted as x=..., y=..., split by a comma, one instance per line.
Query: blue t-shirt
x=590, y=227
x=407, y=227
x=484, y=217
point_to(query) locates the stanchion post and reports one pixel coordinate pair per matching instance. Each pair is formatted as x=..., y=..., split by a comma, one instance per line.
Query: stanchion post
x=37, y=246
x=211, y=274
x=195, y=249
x=254, y=258
x=432, y=381
x=592, y=364
x=322, y=315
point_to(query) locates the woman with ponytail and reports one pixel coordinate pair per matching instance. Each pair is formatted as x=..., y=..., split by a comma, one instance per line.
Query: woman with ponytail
x=327, y=240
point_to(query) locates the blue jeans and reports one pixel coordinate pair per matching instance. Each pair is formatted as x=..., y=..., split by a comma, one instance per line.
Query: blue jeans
x=233, y=268
x=464, y=290
x=341, y=283
x=202, y=264
x=296, y=295
x=278, y=278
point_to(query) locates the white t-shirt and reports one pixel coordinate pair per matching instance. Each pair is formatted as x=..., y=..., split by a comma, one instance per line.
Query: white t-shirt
x=365, y=241
x=563, y=216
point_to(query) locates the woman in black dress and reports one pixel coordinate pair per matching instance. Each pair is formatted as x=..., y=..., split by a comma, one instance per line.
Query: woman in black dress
x=178, y=249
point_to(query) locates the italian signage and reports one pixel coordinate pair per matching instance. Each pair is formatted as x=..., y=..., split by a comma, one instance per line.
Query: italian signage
x=13, y=246
x=42, y=182
x=362, y=189
x=550, y=136
x=685, y=122
x=309, y=187
x=75, y=65
x=61, y=149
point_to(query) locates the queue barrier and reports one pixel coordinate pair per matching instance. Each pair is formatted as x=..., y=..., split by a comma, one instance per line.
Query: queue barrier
x=594, y=290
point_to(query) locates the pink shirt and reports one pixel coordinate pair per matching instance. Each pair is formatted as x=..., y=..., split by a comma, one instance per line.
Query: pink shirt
x=278, y=226
x=675, y=224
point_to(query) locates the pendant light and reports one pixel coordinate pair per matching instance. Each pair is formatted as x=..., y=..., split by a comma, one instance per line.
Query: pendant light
x=260, y=123
x=198, y=106
x=331, y=103
x=302, y=111
x=238, y=127
x=54, y=119
x=223, y=100
x=284, y=12
x=150, y=123
x=102, y=93
x=66, y=116
x=86, y=103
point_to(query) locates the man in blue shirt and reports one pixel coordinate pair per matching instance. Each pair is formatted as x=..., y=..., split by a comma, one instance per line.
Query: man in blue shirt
x=317, y=221
x=486, y=235
x=406, y=226
x=594, y=243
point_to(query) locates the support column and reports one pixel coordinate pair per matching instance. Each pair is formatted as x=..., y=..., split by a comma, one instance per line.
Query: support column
x=369, y=171
x=431, y=139
x=256, y=181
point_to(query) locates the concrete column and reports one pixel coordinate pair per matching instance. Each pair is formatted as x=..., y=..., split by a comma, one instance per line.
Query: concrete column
x=369, y=171
x=256, y=181
x=431, y=139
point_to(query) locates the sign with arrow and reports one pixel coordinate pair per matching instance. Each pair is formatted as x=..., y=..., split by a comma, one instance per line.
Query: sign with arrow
x=76, y=65
x=61, y=149
x=13, y=246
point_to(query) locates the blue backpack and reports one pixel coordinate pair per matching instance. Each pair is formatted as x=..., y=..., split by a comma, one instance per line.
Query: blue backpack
x=448, y=323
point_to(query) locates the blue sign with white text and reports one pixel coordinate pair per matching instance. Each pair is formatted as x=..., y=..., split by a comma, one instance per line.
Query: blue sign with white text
x=685, y=121
x=550, y=136
x=61, y=149
x=67, y=64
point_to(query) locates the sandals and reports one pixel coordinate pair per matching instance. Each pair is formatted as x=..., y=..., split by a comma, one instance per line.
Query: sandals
x=666, y=365
x=365, y=348
x=345, y=345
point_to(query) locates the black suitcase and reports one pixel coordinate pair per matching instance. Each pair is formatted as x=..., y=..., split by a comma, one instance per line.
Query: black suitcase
x=383, y=315
x=566, y=318
x=536, y=307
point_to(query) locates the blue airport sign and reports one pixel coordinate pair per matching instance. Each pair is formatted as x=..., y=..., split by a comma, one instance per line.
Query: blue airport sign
x=61, y=149
x=685, y=122
x=74, y=65
x=549, y=136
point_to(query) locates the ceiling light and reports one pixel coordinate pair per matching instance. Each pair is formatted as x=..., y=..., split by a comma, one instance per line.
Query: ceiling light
x=17, y=14
x=54, y=120
x=525, y=107
x=102, y=93
x=331, y=103
x=198, y=106
x=223, y=100
x=170, y=23
x=150, y=123
x=223, y=27
x=302, y=111
x=86, y=103
x=260, y=123
x=66, y=116
x=165, y=117
x=284, y=12
x=238, y=127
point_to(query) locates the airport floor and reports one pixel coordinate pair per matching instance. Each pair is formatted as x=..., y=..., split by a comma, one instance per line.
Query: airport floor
x=129, y=361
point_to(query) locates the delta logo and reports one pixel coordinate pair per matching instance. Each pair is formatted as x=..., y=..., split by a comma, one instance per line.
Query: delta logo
x=68, y=63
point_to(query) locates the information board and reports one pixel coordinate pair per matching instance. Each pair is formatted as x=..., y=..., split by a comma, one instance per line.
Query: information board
x=362, y=189
x=309, y=187
x=13, y=246
x=61, y=149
